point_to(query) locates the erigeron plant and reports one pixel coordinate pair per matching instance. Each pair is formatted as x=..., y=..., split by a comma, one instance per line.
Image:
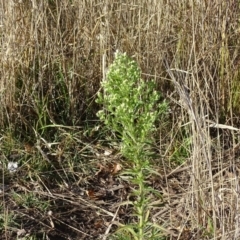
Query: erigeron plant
x=130, y=109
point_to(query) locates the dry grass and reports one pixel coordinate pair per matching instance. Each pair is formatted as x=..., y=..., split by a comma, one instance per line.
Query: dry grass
x=53, y=56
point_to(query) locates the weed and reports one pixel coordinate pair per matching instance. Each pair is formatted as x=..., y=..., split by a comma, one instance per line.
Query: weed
x=130, y=110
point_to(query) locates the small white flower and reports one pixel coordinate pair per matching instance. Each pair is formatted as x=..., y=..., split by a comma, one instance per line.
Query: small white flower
x=12, y=167
x=116, y=53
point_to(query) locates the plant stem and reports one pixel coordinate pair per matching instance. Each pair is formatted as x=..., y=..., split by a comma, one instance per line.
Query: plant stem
x=141, y=206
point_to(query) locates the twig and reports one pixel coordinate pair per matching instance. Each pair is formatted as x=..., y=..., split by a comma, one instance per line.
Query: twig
x=110, y=225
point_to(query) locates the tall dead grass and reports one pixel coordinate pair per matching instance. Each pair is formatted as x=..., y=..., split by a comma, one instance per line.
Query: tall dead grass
x=54, y=53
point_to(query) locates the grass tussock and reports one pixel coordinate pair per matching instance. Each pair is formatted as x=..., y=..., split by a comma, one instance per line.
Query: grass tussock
x=53, y=56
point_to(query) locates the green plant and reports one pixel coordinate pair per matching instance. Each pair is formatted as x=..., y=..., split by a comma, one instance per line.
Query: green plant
x=181, y=151
x=7, y=219
x=30, y=200
x=130, y=109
